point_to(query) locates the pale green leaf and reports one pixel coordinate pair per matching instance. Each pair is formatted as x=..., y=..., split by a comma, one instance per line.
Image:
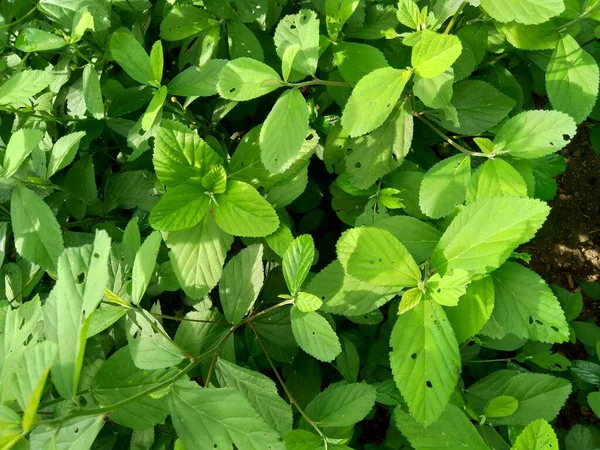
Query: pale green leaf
x=434, y=53
x=131, y=56
x=306, y=302
x=154, y=108
x=198, y=81
x=297, y=261
x=337, y=13
x=410, y=298
x=409, y=14
x=373, y=100
x=11, y=431
x=184, y=21
x=197, y=255
x=82, y=278
x=496, y=178
x=425, y=360
x=355, y=60
x=528, y=12
x=445, y=185
x=204, y=418
x=300, y=29
x=484, y=234
x=437, y=93
x=64, y=151
x=531, y=37
x=447, y=290
x=314, y=335
x=287, y=60
x=303, y=440
x=538, y=435
x=82, y=22
x=202, y=331
x=75, y=434
x=418, y=237
x=243, y=42
x=260, y=391
x=181, y=207
x=241, y=283
x=283, y=132
x=92, y=93
x=501, y=406
x=572, y=79
x=245, y=79
x=33, y=40
x=342, y=404
x=157, y=63
x=143, y=266
x=242, y=10
x=23, y=85
x=37, y=234
x=19, y=147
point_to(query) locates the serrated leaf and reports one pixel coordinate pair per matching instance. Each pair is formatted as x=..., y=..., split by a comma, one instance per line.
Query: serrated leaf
x=434, y=53
x=447, y=290
x=241, y=283
x=526, y=307
x=143, y=266
x=501, y=406
x=283, y=132
x=19, y=147
x=92, y=94
x=245, y=79
x=198, y=81
x=444, y=186
x=300, y=29
x=184, y=21
x=131, y=56
x=496, y=178
x=82, y=277
x=528, y=12
x=243, y=42
x=410, y=299
x=437, y=92
x=197, y=255
x=531, y=37
x=79, y=433
x=306, y=302
x=419, y=238
x=180, y=208
x=242, y=10
x=337, y=13
x=63, y=152
x=342, y=404
x=202, y=331
x=355, y=60
x=425, y=360
x=314, y=335
x=260, y=391
x=204, y=418
x=23, y=85
x=538, y=435
x=572, y=79
x=373, y=100
x=593, y=399
x=297, y=261
x=483, y=234
x=409, y=14
x=533, y=134
x=375, y=256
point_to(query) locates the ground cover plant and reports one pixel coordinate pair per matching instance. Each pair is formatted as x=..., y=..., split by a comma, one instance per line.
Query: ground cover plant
x=275, y=224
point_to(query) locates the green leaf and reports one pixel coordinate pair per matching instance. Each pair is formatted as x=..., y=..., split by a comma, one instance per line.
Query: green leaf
x=479, y=107
x=434, y=53
x=306, y=302
x=11, y=431
x=314, y=335
x=260, y=391
x=540, y=396
x=215, y=181
x=533, y=134
x=301, y=29
x=82, y=22
x=447, y=290
x=373, y=100
x=92, y=93
x=445, y=185
x=501, y=406
x=82, y=277
x=348, y=362
x=378, y=153
x=408, y=14
x=418, y=237
x=242, y=42
x=75, y=434
x=572, y=79
x=337, y=13
x=182, y=22
x=245, y=79
x=425, y=360
x=303, y=440
x=32, y=40
x=119, y=379
x=375, y=256
x=242, y=211
x=198, y=81
x=342, y=404
x=526, y=307
x=37, y=234
x=181, y=156
x=531, y=37
x=355, y=60
x=202, y=331
x=19, y=147
x=283, y=132
x=297, y=261
x=242, y=10
x=593, y=399
x=64, y=151
x=437, y=93
x=154, y=108
x=410, y=299
x=81, y=178
x=223, y=417
x=131, y=56
x=528, y=12
x=485, y=233
x=181, y=207
x=241, y=283
x=23, y=85
x=474, y=309
x=496, y=178
x=143, y=266
x=538, y=435
x=452, y=430
x=197, y=255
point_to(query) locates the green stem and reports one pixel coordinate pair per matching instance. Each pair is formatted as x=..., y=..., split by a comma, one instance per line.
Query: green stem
x=29, y=13
x=317, y=82
x=265, y=311
x=455, y=17
x=491, y=360
x=581, y=17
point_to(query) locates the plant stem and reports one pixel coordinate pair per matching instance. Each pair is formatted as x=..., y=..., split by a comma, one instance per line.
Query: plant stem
x=450, y=141
x=491, y=360
x=265, y=311
x=455, y=17
x=183, y=319
x=210, y=369
x=582, y=16
x=317, y=82
x=29, y=13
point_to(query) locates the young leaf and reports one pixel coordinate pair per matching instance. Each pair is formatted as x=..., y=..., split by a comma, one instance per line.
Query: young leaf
x=314, y=335
x=434, y=53
x=242, y=10
x=337, y=13
x=447, y=290
x=33, y=40
x=157, y=63
x=373, y=100
x=180, y=208
x=538, y=435
x=418, y=237
x=300, y=29
x=355, y=60
x=245, y=79
x=437, y=92
x=37, y=234
x=241, y=283
x=198, y=81
x=283, y=132
x=410, y=298
x=297, y=261
x=425, y=360
x=445, y=186
x=528, y=12
x=92, y=93
x=408, y=14
x=143, y=266
x=63, y=152
x=23, y=85
x=215, y=181
x=82, y=277
x=375, y=256
x=131, y=56
x=182, y=22
x=306, y=302
x=260, y=391
x=483, y=235
x=342, y=404
x=501, y=406
x=224, y=417
x=154, y=108
x=19, y=147
x=496, y=178
x=242, y=211
x=197, y=255
x=572, y=79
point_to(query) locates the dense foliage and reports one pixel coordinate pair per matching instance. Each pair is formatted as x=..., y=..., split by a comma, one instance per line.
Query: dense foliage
x=275, y=224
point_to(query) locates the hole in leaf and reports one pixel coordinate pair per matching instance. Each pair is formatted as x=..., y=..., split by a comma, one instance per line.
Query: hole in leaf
x=358, y=165
x=233, y=6
x=292, y=27
x=96, y=255
x=80, y=278
x=349, y=150
x=428, y=384
x=232, y=90
x=413, y=356
x=530, y=320
x=566, y=137
x=552, y=144
x=310, y=136
x=439, y=290
x=554, y=328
